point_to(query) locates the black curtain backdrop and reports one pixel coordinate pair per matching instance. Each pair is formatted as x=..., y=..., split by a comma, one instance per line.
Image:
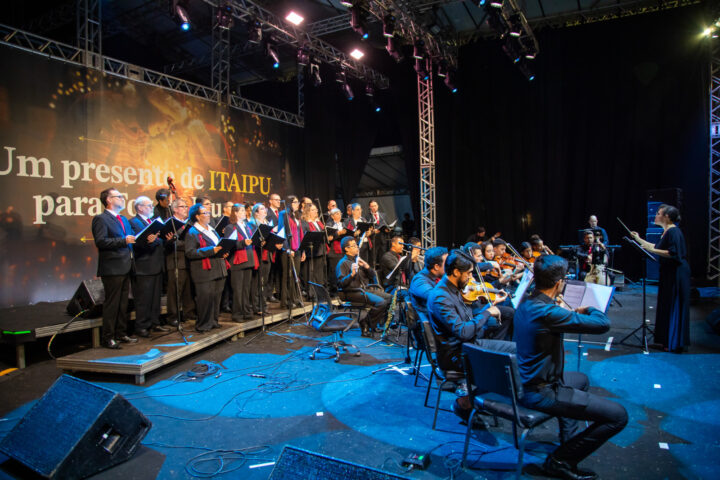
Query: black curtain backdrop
x=617, y=108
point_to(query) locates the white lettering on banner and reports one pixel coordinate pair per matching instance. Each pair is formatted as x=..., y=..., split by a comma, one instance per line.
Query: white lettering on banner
x=23, y=162
x=62, y=206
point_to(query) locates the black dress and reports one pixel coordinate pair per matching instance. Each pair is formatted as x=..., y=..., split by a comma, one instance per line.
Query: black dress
x=672, y=318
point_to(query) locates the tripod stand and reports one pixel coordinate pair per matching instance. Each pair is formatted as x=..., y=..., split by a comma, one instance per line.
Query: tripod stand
x=645, y=325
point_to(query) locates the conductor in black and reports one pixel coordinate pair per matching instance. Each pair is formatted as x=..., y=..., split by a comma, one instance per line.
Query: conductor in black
x=539, y=327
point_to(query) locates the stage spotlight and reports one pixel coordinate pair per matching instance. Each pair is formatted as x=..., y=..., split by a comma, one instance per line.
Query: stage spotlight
x=512, y=49
x=347, y=90
x=497, y=4
x=389, y=25
x=419, y=50
x=369, y=90
x=272, y=53
x=421, y=68
x=375, y=106
x=346, y=3
x=315, y=74
x=303, y=57
x=442, y=69
x=357, y=22
x=341, y=77
x=515, y=25
x=394, y=48
x=450, y=81
x=224, y=16
x=707, y=31
x=526, y=70
x=182, y=16
x=357, y=54
x=255, y=32
x=294, y=18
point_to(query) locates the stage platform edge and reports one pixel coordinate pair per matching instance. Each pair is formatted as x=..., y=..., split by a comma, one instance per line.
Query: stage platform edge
x=158, y=351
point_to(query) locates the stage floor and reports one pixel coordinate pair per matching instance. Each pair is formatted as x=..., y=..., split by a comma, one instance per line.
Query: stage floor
x=270, y=394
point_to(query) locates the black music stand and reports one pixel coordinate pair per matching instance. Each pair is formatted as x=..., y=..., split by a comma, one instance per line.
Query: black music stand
x=645, y=325
x=259, y=236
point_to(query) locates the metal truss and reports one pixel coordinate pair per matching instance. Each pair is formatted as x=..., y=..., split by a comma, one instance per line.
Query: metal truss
x=301, y=91
x=51, y=49
x=330, y=25
x=411, y=28
x=713, y=271
x=220, y=70
x=89, y=30
x=246, y=10
x=426, y=124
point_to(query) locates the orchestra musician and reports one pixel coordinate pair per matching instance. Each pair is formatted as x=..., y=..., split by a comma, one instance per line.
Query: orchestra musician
x=539, y=328
x=354, y=275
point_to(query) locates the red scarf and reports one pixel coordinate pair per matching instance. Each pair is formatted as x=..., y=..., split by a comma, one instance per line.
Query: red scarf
x=311, y=227
x=241, y=255
x=205, y=261
x=297, y=234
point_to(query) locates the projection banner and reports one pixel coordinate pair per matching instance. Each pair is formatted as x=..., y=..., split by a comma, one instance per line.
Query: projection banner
x=67, y=133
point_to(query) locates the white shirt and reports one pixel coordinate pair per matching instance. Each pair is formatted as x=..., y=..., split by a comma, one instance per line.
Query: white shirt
x=209, y=232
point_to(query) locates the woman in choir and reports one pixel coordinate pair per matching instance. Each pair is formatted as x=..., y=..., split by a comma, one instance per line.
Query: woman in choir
x=242, y=263
x=316, y=262
x=292, y=257
x=207, y=272
x=260, y=287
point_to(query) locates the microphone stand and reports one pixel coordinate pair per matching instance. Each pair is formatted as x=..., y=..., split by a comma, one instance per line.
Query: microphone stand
x=178, y=303
x=262, y=287
x=327, y=242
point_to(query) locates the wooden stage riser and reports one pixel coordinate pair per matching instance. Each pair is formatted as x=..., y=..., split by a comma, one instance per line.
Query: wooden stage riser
x=92, y=360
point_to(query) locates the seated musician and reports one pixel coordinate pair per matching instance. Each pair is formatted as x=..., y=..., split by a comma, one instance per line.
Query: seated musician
x=538, y=246
x=527, y=252
x=590, y=253
x=354, y=275
x=416, y=260
x=454, y=322
x=498, y=277
x=540, y=325
x=388, y=263
x=425, y=280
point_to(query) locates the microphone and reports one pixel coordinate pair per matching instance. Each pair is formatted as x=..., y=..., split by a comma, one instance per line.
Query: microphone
x=412, y=246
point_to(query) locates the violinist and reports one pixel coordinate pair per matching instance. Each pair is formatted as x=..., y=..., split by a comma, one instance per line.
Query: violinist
x=539, y=247
x=496, y=297
x=511, y=268
x=527, y=252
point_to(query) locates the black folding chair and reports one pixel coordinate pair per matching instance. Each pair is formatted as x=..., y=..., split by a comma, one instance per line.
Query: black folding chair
x=448, y=380
x=495, y=387
x=325, y=317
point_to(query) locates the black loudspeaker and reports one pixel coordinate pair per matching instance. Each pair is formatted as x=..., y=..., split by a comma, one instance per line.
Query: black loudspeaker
x=89, y=296
x=714, y=320
x=76, y=430
x=297, y=464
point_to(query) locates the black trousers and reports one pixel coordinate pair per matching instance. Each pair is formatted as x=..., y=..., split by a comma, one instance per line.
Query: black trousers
x=115, y=306
x=289, y=286
x=571, y=402
x=333, y=260
x=146, y=291
x=318, y=271
x=260, y=283
x=379, y=301
x=241, y=280
x=183, y=284
x=208, y=303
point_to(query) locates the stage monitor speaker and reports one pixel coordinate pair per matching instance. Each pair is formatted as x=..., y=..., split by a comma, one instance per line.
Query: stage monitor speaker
x=76, y=430
x=713, y=320
x=297, y=464
x=89, y=296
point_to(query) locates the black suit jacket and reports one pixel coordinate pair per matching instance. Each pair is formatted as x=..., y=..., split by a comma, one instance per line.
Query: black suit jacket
x=170, y=253
x=274, y=219
x=114, y=255
x=149, y=257
x=195, y=255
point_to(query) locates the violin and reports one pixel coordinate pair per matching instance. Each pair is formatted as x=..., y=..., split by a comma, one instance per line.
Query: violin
x=475, y=290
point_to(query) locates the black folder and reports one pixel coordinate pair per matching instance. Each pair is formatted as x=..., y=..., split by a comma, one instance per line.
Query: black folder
x=153, y=228
x=261, y=234
x=169, y=228
x=317, y=239
x=227, y=246
x=222, y=223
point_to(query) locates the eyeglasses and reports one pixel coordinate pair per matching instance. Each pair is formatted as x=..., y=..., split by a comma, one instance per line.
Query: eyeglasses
x=115, y=196
x=204, y=213
x=182, y=206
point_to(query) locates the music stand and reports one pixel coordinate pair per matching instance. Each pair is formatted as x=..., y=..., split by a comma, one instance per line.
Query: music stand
x=312, y=242
x=258, y=237
x=384, y=336
x=644, y=326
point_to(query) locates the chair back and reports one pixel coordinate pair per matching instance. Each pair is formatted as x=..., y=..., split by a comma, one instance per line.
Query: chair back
x=322, y=296
x=491, y=371
x=428, y=337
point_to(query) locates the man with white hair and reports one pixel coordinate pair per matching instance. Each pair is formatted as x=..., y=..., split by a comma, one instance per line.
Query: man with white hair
x=148, y=278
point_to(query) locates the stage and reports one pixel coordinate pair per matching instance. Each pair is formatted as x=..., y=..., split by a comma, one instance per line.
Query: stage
x=269, y=394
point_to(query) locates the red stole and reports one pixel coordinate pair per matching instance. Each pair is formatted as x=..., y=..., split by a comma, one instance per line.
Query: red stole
x=296, y=234
x=205, y=261
x=241, y=255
